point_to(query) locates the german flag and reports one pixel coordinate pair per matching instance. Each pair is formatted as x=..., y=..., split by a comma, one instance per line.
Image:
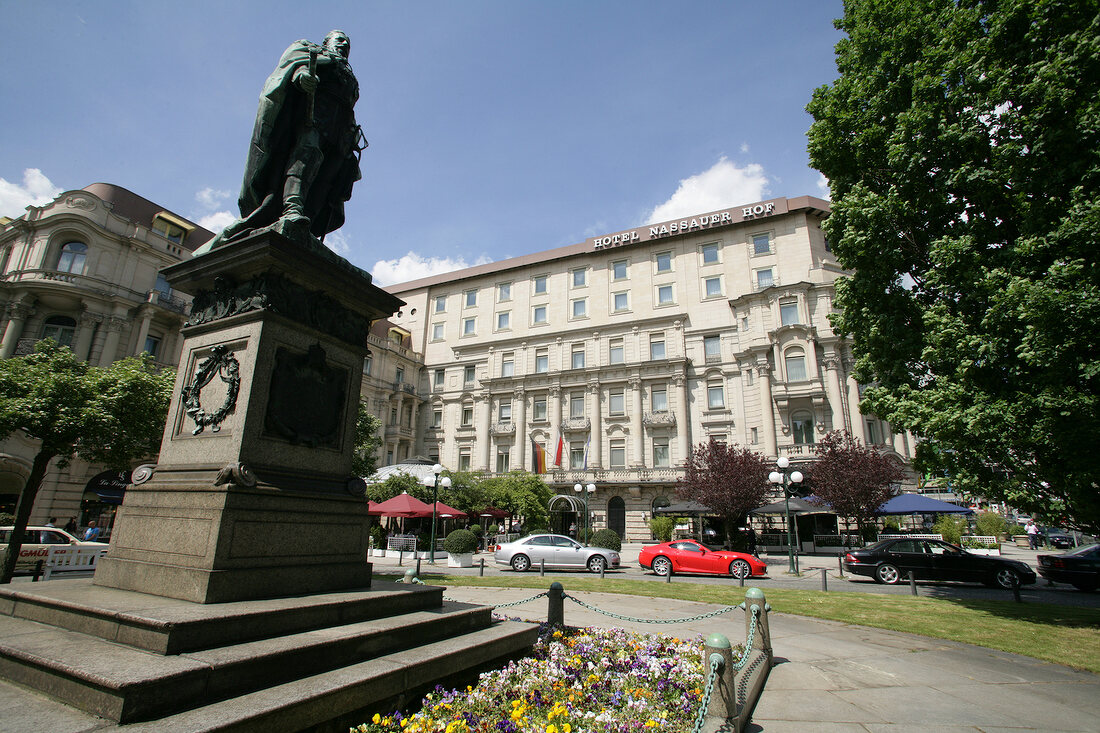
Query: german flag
x=538, y=458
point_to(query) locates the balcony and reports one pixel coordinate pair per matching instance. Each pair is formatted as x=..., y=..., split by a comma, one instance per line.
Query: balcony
x=575, y=424
x=659, y=419
x=503, y=428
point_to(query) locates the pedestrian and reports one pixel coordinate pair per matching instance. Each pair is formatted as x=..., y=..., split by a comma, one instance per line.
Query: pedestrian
x=573, y=530
x=52, y=522
x=70, y=526
x=750, y=539
x=92, y=533
x=1032, y=534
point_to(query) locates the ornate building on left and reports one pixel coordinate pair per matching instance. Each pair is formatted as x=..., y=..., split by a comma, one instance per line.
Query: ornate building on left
x=84, y=270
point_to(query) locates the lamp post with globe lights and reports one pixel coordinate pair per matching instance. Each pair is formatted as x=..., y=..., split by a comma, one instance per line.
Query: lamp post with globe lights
x=591, y=488
x=785, y=478
x=435, y=482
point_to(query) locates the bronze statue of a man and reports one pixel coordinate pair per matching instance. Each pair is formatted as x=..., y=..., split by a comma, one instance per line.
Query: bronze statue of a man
x=305, y=150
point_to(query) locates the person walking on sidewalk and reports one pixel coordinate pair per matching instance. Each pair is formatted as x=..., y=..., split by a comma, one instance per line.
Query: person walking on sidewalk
x=1032, y=534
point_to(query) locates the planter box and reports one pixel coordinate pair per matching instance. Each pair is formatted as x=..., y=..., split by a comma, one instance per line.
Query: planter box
x=976, y=551
x=465, y=560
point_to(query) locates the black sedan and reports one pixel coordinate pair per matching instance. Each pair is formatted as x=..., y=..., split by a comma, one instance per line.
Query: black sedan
x=891, y=561
x=1080, y=568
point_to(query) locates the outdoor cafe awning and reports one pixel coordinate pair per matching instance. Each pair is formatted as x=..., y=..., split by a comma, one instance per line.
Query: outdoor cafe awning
x=919, y=504
x=402, y=505
x=684, y=509
x=798, y=505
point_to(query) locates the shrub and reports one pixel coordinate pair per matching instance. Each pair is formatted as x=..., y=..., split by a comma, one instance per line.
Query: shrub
x=950, y=528
x=493, y=529
x=662, y=527
x=478, y=530
x=460, y=542
x=969, y=543
x=891, y=526
x=990, y=524
x=377, y=535
x=608, y=539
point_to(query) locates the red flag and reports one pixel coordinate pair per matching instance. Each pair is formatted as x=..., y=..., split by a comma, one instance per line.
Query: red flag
x=561, y=449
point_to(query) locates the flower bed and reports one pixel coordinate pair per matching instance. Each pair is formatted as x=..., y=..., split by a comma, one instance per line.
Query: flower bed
x=574, y=681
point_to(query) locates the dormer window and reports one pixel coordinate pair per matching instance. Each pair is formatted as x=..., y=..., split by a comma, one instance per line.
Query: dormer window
x=171, y=227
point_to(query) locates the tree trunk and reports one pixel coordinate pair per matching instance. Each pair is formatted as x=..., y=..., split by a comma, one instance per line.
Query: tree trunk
x=23, y=513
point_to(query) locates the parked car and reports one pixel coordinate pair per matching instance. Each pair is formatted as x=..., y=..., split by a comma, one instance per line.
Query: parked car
x=689, y=556
x=1056, y=537
x=891, y=561
x=1079, y=567
x=37, y=542
x=556, y=551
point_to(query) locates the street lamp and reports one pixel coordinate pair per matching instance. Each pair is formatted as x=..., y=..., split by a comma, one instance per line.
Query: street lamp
x=591, y=488
x=786, y=478
x=435, y=482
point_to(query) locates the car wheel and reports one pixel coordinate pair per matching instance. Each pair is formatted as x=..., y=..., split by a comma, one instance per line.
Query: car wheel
x=1087, y=587
x=596, y=563
x=740, y=569
x=521, y=563
x=1006, y=578
x=662, y=566
x=888, y=574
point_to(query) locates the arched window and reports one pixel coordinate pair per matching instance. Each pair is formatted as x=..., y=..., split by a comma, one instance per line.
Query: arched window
x=59, y=328
x=802, y=428
x=71, y=258
x=795, y=360
x=616, y=515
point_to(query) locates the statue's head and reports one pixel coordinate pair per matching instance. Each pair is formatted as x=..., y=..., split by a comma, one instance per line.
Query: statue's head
x=339, y=42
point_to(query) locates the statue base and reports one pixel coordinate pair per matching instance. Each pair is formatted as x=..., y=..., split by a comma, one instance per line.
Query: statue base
x=252, y=495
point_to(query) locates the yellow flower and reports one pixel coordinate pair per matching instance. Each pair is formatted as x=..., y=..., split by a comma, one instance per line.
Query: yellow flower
x=651, y=723
x=551, y=728
x=567, y=728
x=376, y=719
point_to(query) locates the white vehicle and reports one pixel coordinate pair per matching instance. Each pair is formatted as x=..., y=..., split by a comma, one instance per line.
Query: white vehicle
x=37, y=542
x=556, y=551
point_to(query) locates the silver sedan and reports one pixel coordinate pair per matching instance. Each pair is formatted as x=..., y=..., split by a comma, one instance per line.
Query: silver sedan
x=556, y=551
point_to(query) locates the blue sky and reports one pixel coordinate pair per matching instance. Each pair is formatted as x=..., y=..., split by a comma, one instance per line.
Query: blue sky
x=497, y=128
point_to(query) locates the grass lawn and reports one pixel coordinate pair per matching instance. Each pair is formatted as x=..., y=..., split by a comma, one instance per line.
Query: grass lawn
x=1058, y=634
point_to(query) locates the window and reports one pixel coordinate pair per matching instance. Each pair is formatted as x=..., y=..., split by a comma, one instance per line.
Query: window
x=872, y=433
x=59, y=328
x=468, y=375
x=788, y=312
x=439, y=375
x=761, y=244
x=618, y=454
x=576, y=455
x=368, y=364
x=795, y=361
x=660, y=453
x=802, y=428
x=437, y=418
x=504, y=292
x=507, y=365
x=538, y=314
x=437, y=332
x=828, y=247
x=616, y=402
x=576, y=405
x=504, y=411
x=152, y=345
x=504, y=462
x=469, y=326
x=5, y=259
x=744, y=323
x=712, y=348
x=664, y=295
x=162, y=286
x=580, y=277
x=620, y=301
x=764, y=278
x=616, y=354
x=710, y=253
x=540, y=284
x=441, y=304
x=618, y=270
x=464, y=459
x=580, y=307
x=716, y=398
x=748, y=377
x=538, y=409
x=664, y=262
x=168, y=230
x=578, y=357
x=399, y=375
x=542, y=361
x=504, y=320
x=471, y=298
x=396, y=336
x=467, y=414
x=712, y=287
x=754, y=436
x=658, y=398
x=657, y=346
x=71, y=258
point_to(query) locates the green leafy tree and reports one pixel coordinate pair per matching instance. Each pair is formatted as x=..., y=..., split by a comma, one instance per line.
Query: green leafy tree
x=853, y=479
x=521, y=493
x=962, y=146
x=367, y=441
x=111, y=415
x=731, y=480
x=396, y=484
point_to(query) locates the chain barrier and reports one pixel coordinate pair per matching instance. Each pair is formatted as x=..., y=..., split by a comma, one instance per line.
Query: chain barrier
x=701, y=717
x=748, y=641
x=700, y=617
x=504, y=605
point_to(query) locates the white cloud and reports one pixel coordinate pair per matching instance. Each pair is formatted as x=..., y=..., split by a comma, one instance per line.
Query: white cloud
x=210, y=198
x=338, y=243
x=36, y=190
x=723, y=184
x=217, y=221
x=413, y=267
x=745, y=148
x=823, y=186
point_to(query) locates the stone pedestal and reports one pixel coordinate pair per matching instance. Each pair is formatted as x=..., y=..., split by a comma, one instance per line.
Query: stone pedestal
x=252, y=496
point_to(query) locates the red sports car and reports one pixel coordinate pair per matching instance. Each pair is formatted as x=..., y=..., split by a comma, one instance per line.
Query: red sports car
x=688, y=556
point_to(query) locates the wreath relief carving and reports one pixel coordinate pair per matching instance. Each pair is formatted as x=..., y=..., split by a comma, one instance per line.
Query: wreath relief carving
x=222, y=363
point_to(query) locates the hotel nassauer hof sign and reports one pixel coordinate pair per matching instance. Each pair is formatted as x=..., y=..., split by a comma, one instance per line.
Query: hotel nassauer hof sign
x=713, y=220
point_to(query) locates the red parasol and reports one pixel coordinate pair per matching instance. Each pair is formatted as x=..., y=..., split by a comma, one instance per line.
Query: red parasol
x=402, y=505
x=441, y=509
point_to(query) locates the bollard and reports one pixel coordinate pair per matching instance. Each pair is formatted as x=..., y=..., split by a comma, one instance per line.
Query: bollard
x=400, y=557
x=542, y=566
x=912, y=583
x=37, y=572
x=409, y=577
x=741, y=581
x=481, y=572
x=555, y=611
x=840, y=562
x=824, y=580
x=668, y=577
x=1016, y=594
x=603, y=566
x=418, y=567
x=723, y=700
x=754, y=673
x=763, y=638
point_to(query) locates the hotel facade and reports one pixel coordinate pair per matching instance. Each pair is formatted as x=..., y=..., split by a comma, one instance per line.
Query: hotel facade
x=609, y=360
